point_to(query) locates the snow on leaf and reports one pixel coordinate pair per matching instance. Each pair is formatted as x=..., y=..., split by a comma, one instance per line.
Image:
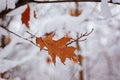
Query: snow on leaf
x=26, y=16
x=58, y=48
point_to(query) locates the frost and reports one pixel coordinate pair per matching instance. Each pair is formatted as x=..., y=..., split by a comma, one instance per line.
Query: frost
x=2, y=5
x=105, y=10
x=6, y=65
x=101, y=49
x=116, y=1
x=2, y=79
x=11, y=4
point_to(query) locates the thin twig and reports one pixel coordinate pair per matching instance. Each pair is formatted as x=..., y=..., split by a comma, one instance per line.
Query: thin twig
x=18, y=35
x=21, y=37
x=81, y=36
x=32, y=35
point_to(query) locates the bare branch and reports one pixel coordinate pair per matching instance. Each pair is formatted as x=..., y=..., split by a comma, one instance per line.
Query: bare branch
x=21, y=36
x=78, y=39
x=81, y=36
x=32, y=35
x=61, y=1
x=18, y=35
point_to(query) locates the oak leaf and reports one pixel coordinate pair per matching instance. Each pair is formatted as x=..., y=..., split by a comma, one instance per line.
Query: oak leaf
x=40, y=42
x=57, y=48
x=26, y=16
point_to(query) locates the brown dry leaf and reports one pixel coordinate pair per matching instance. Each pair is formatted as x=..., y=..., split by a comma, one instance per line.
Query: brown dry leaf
x=5, y=40
x=35, y=14
x=48, y=60
x=75, y=12
x=26, y=16
x=58, y=48
x=8, y=40
x=72, y=12
x=80, y=58
x=40, y=42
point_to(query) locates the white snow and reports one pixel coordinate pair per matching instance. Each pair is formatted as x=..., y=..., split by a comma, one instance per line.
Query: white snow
x=101, y=49
x=11, y=4
x=2, y=5
x=116, y=1
x=105, y=10
x=6, y=65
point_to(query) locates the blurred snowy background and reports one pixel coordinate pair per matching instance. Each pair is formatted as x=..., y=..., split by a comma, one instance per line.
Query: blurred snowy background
x=21, y=60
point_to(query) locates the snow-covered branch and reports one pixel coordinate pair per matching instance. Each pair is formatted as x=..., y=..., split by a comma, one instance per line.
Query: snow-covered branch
x=18, y=35
x=24, y=2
